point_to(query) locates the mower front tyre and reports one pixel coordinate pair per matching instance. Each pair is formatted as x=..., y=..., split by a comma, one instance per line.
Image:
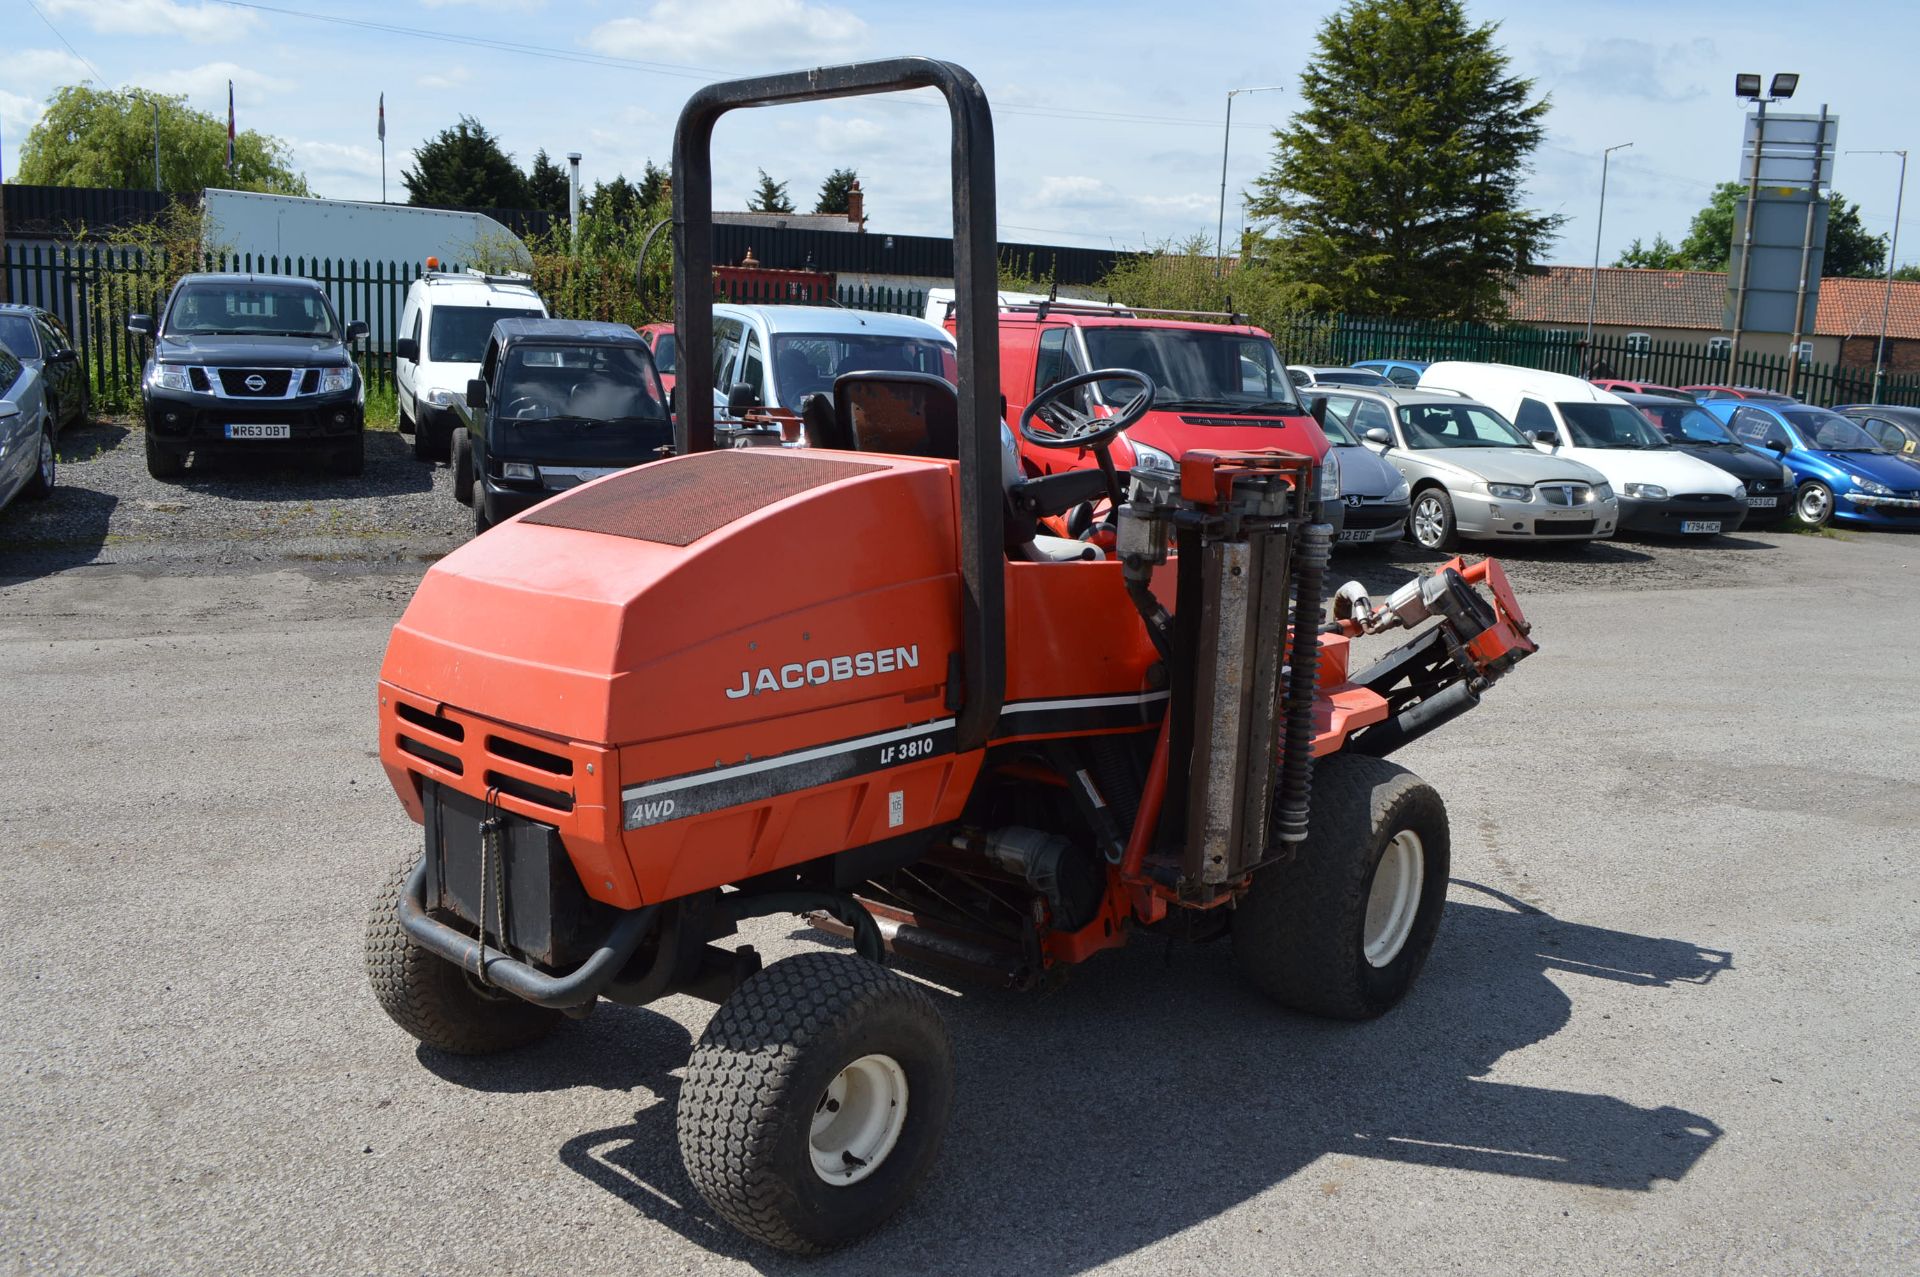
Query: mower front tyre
x=816, y=1100
x=1342, y=928
x=437, y=1002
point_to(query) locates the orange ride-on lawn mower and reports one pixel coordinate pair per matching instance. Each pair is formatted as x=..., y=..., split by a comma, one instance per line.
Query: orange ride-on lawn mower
x=854, y=684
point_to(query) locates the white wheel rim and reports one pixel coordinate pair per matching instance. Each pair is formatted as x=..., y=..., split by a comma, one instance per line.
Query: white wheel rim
x=1813, y=504
x=1394, y=900
x=858, y=1119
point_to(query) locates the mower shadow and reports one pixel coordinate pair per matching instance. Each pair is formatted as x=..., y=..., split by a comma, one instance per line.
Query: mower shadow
x=1157, y=1091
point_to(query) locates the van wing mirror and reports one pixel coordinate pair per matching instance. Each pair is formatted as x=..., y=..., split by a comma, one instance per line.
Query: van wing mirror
x=408, y=349
x=140, y=325
x=741, y=398
x=356, y=329
x=476, y=393
x=1317, y=409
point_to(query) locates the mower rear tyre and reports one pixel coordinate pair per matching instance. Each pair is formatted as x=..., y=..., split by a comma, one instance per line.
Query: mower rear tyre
x=434, y=1000
x=816, y=1100
x=1343, y=927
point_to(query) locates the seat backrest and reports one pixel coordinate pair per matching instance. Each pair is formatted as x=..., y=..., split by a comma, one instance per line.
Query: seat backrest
x=823, y=425
x=908, y=414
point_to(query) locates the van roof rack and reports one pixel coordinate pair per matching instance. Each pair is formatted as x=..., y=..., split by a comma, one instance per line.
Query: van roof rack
x=470, y=273
x=1071, y=306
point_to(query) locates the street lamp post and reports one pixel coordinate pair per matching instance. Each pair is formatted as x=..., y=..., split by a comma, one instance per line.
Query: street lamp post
x=1593, y=292
x=1226, y=141
x=1746, y=86
x=1893, y=247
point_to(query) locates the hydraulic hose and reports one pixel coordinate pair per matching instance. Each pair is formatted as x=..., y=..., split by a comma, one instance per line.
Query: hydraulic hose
x=1303, y=675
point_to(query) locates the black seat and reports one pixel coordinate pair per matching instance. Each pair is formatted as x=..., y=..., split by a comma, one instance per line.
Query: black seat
x=822, y=423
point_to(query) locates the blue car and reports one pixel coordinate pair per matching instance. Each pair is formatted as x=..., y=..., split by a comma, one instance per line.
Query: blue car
x=1401, y=372
x=1839, y=470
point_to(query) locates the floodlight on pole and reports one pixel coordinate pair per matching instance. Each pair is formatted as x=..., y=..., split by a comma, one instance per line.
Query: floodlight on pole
x=1226, y=140
x=1893, y=248
x=1593, y=291
x=1746, y=86
x=1784, y=84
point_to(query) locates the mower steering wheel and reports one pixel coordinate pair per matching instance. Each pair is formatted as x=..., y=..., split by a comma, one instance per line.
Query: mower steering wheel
x=1049, y=422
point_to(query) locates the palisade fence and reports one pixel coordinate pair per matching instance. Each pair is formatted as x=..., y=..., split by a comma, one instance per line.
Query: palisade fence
x=94, y=288
x=1346, y=339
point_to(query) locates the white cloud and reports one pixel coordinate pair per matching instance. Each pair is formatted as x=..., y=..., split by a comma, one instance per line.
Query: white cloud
x=50, y=67
x=158, y=17
x=1619, y=67
x=514, y=6
x=1072, y=191
x=448, y=78
x=205, y=86
x=783, y=31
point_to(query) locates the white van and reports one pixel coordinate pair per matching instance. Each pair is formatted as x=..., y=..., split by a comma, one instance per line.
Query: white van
x=443, y=332
x=782, y=354
x=1660, y=488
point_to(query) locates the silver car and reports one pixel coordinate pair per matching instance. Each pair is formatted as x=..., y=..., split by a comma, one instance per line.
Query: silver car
x=1373, y=494
x=26, y=431
x=1472, y=475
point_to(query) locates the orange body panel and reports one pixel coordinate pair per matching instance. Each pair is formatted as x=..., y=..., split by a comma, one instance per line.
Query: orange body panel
x=620, y=658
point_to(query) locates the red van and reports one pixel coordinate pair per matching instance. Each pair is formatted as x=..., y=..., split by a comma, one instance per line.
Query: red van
x=1216, y=385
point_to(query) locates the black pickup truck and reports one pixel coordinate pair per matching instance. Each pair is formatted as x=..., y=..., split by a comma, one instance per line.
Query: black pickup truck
x=557, y=402
x=249, y=364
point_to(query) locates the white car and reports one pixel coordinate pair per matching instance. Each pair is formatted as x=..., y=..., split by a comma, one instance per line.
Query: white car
x=1660, y=488
x=782, y=354
x=444, y=326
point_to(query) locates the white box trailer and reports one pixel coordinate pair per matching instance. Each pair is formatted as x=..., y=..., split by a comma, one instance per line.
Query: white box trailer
x=356, y=248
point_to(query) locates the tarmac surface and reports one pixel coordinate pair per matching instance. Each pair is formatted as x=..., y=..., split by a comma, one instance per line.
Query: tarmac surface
x=1669, y=1024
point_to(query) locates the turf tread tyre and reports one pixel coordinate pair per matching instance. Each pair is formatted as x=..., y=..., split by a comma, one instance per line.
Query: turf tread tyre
x=757, y=1072
x=435, y=1000
x=164, y=462
x=1297, y=932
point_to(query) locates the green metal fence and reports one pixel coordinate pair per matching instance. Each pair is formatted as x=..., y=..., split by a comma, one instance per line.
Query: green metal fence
x=1346, y=339
x=93, y=288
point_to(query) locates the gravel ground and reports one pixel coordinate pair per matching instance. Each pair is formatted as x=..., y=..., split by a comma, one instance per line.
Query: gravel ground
x=1669, y=1023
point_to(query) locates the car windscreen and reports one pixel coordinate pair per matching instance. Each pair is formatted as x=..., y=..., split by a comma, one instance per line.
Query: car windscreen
x=1609, y=425
x=242, y=308
x=1829, y=431
x=584, y=384
x=1348, y=377
x=1446, y=425
x=807, y=363
x=663, y=346
x=1196, y=368
x=458, y=334
x=17, y=335
x=1687, y=423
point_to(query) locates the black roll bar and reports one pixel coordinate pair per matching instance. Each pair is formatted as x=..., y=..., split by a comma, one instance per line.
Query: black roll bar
x=975, y=279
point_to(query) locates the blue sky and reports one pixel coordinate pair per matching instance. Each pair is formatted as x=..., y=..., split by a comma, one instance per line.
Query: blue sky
x=1108, y=115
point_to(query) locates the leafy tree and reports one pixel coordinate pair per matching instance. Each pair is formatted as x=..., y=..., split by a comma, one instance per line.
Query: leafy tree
x=1708, y=245
x=654, y=185
x=465, y=167
x=835, y=190
x=104, y=137
x=1396, y=190
x=770, y=198
x=547, y=185
x=1659, y=255
x=614, y=201
x=1907, y=272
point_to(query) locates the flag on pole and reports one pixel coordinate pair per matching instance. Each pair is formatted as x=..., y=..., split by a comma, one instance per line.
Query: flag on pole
x=383, y=117
x=229, y=126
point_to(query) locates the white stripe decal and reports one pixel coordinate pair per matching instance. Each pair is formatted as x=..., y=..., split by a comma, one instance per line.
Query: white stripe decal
x=1084, y=702
x=779, y=760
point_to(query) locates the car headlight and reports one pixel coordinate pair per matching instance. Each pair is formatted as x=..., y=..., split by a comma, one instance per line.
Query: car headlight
x=168, y=377
x=1602, y=492
x=1400, y=490
x=1646, y=492
x=442, y=398
x=1861, y=484
x=1148, y=457
x=1329, y=489
x=336, y=379
x=1739, y=492
x=520, y=470
x=1510, y=491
